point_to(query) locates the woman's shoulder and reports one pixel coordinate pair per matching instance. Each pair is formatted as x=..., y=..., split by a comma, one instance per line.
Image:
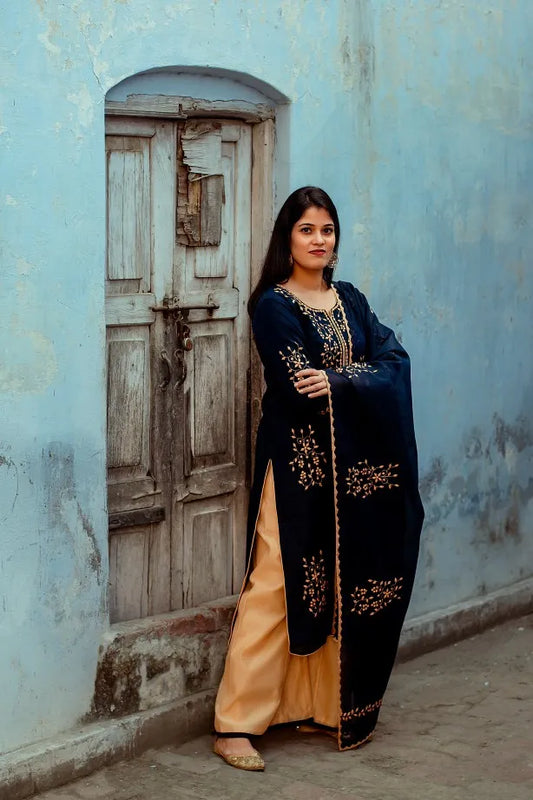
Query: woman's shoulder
x=275, y=305
x=351, y=293
x=275, y=297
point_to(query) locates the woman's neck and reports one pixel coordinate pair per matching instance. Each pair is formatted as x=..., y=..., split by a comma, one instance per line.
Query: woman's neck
x=308, y=281
x=312, y=290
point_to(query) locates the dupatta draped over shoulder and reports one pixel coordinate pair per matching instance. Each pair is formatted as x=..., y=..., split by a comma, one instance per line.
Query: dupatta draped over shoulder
x=346, y=485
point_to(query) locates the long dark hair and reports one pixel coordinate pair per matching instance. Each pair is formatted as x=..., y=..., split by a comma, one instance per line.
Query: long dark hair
x=276, y=266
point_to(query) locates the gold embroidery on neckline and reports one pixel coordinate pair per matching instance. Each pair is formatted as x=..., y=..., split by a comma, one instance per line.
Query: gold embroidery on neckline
x=294, y=297
x=308, y=458
x=376, y=596
x=334, y=332
x=315, y=583
x=365, y=479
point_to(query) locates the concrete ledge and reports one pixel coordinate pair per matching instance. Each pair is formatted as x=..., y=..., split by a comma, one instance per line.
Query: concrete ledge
x=79, y=752
x=145, y=664
x=53, y=762
x=447, y=625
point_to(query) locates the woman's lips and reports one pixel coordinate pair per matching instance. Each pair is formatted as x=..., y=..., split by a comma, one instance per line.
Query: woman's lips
x=317, y=252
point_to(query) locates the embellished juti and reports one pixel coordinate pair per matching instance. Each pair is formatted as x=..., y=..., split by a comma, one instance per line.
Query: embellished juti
x=344, y=529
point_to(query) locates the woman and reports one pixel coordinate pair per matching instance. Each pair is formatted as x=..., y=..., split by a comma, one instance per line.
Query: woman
x=335, y=514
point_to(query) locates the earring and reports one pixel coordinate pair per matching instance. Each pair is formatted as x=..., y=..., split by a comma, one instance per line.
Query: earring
x=334, y=260
x=291, y=260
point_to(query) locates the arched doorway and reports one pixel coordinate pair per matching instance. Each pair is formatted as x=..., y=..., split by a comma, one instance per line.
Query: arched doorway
x=189, y=203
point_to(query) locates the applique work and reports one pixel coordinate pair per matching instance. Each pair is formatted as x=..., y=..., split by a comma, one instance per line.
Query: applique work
x=376, y=596
x=315, y=583
x=365, y=479
x=308, y=459
x=295, y=359
x=355, y=713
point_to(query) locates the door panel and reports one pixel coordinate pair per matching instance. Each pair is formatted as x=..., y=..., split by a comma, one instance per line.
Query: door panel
x=128, y=558
x=128, y=400
x=208, y=549
x=128, y=244
x=212, y=434
x=213, y=403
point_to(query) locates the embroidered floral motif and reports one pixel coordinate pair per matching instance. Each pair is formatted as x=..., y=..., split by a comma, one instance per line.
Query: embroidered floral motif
x=365, y=479
x=362, y=711
x=331, y=354
x=315, y=584
x=295, y=359
x=357, y=368
x=308, y=458
x=332, y=327
x=376, y=596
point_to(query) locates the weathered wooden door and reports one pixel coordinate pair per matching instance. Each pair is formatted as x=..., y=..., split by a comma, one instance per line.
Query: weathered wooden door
x=178, y=275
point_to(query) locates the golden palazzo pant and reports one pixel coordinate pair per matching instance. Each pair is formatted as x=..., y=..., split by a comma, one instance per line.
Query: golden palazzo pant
x=263, y=684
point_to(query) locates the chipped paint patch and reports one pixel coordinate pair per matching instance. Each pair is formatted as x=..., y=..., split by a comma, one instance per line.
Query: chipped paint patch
x=10, y=200
x=492, y=500
x=517, y=436
x=45, y=38
x=85, y=104
x=29, y=365
x=65, y=513
x=24, y=267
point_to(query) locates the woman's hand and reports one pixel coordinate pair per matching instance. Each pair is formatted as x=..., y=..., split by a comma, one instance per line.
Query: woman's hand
x=312, y=382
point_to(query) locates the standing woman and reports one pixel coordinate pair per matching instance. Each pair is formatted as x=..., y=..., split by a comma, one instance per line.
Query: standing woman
x=335, y=514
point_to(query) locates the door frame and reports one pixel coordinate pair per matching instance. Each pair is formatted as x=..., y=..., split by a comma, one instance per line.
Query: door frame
x=261, y=117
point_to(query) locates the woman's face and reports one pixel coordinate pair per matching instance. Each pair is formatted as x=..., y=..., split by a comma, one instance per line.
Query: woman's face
x=313, y=239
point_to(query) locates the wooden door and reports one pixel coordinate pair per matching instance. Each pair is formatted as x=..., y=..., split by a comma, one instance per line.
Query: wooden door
x=178, y=267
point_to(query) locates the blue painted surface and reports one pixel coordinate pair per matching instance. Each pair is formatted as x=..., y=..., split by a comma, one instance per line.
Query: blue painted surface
x=417, y=118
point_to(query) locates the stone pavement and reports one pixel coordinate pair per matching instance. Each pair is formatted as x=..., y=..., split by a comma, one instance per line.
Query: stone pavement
x=457, y=724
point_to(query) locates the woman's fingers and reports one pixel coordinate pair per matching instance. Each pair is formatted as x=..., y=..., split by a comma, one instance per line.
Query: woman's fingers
x=311, y=382
x=308, y=376
x=319, y=393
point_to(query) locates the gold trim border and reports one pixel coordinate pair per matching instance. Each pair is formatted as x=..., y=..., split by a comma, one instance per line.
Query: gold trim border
x=337, y=566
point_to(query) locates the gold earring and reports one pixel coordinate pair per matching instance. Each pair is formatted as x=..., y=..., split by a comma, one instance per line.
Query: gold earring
x=334, y=260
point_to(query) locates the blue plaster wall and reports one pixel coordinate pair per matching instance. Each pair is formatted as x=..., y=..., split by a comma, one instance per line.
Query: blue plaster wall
x=444, y=239
x=417, y=117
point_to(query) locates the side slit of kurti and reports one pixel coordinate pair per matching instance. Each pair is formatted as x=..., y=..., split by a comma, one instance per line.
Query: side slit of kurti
x=251, y=553
x=307, y=685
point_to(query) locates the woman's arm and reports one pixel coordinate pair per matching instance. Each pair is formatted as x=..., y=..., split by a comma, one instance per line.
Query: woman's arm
x=282, y=347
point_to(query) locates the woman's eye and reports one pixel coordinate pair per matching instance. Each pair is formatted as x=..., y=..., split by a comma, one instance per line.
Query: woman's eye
x=328, y=231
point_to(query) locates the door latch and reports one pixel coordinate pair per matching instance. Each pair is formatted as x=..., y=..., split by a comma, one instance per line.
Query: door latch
x=171, y=305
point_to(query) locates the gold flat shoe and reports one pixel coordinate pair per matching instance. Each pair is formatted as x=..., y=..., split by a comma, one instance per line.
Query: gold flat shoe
x=253, y=763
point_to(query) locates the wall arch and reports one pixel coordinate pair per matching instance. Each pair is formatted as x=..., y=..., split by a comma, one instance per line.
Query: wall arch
x=215, y=91
x=210, y=83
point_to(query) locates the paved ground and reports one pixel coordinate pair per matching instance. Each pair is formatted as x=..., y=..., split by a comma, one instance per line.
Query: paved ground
x=457, y=724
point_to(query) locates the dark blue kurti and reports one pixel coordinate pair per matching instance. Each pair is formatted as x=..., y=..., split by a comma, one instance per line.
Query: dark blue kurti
x=345, y=475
